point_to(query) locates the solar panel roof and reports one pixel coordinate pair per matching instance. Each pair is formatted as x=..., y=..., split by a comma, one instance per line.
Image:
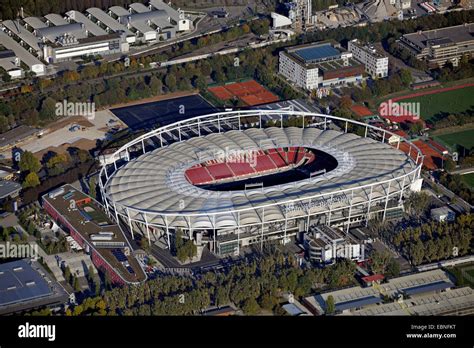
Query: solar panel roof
x=360, y=302
x=439, y=285
x=315, y=53
x=20, y=282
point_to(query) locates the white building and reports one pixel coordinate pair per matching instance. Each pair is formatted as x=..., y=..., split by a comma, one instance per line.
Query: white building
x=325, y=244
x=319, y=65
x=300, y=13
x=376, y=65
x=443, y=214
x=280, y=21
x=11, y=64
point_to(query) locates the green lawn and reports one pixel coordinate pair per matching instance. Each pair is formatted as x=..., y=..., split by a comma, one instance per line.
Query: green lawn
x=464, y=138
x=469, y=179
x=450, y=102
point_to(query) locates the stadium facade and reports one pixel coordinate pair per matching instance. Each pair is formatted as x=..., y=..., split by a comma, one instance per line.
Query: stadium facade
x=237, y=178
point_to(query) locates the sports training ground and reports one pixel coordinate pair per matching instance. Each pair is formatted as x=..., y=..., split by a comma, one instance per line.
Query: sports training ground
x=236, y=178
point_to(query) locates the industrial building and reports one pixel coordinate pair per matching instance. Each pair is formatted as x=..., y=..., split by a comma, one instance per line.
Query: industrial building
x=325, y=244
x=9, y=189
x=22, y=55
x=443, y=214
x=55, y=38
x=439, y=46
x=376, y=64
x=25, y=285
x=10, y=63
x=425, y=293
x=316, y=65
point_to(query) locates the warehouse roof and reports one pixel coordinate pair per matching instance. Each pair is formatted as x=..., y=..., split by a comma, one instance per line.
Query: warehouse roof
x=90, y=26
x=108, y=21
x=20, y=282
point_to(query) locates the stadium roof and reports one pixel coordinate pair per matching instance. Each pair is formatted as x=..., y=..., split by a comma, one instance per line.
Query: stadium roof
x=316, y=53
x=19, y=282
x=156, y=183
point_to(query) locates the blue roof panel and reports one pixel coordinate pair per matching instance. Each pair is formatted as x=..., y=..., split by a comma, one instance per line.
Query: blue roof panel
x=20, y=282
x=436, y=286
x=310, y=54
x=360, y=302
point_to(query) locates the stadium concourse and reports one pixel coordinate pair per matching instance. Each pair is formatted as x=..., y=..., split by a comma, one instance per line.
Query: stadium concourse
x=228, y=182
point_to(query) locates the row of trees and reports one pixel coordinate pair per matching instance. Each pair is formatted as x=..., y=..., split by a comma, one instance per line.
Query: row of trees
x=456, y=184
x=436, y=240
x=254, y=284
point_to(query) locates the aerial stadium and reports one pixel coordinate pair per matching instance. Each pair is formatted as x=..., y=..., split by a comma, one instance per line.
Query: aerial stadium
x=238, y=178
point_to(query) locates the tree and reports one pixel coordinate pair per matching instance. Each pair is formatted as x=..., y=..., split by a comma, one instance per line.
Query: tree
x=48, y=109
x=405, y=77
x=251, y=306
x=170, y=82
x=31, y=180
x=330, y=305
x=29, y=163
x=156, y=85
x=417, y=203
x=393, y=268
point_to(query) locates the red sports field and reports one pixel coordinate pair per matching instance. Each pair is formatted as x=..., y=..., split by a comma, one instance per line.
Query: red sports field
x=250, y=92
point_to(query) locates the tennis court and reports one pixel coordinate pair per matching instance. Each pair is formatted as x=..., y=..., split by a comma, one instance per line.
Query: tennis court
x=250, y=92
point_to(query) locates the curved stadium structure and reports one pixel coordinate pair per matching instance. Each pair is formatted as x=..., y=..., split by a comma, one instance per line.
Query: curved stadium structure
x=237, y=178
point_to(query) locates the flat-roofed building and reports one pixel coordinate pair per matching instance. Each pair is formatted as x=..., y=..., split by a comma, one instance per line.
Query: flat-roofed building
x=68, y=47
x=358, y=300
x=439, y=46
x=95, y=232
x=316, y=65
x=376, y=64
x=25, y=285
x=443, y=214
x=325, y=244
x=9, y=189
